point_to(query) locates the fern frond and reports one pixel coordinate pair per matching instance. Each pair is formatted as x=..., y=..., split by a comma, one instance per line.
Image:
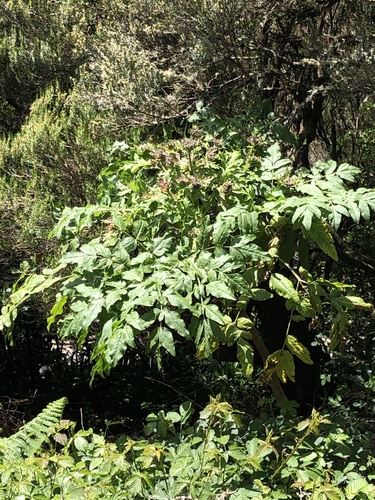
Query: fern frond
x=30, y=437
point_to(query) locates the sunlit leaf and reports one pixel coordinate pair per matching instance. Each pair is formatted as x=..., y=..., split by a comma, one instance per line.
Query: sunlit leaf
x=298, y=349
x=245, y=355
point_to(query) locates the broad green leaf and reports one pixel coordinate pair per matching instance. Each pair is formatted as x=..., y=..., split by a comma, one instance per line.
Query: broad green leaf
x=88, y=292
x=244, y=324
x=230, y=334
x=259, y=294
x=38, y=283
x=298, y=213
x=283, y=133
x=220, y=290
x=348, y=172
x=91, y=313
x=354, y=211
x=133, y=275
x=222, y=229
x=241, y=249
x=56, y=310
x=355, y=487
x=133, y=319
x=329, y=167
x=311, y=189
x=165, y=338
x=120, y=256
x=245, y=355
x=117, y=343
x=174, y=321
x=365, y=210
x=285, y=368
x=323, y=238
x=307, y=219
x=161, y=245
x=141, y=258
x=205, y=340
x=89, y=250
x=303, y=306
x=247, y=222
x=119, y=222
x=359, y=303
x=283, y=286
x=177, y=300
x=237, y=283
x=273, y=165
x=298, y=349
x=212, y=311
x=78, y=258
x=140, y=229
x=281, y=361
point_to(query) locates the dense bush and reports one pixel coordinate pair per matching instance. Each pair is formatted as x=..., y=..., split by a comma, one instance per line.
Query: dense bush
x=194, y=240
x=217, y=455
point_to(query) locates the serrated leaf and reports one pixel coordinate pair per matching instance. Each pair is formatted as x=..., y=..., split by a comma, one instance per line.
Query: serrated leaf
x=177, y=300
x=237, y=283
x=220, y=290
x=161, y=245
x=247, y=222
x=213, y=312
x=222, y=229
x=353, y=210
x=329, y=167
x=299, y=212
x=310, y=189
x=117, y=342
x=298, y=349
x=175, y=322
x=348, y=172
x=283, y=286
x=307, y=219
x=364, y=209
x=323, y=238
x=335, y=219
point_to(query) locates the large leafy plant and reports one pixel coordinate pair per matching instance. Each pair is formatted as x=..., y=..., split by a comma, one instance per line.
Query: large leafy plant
x=187, y=235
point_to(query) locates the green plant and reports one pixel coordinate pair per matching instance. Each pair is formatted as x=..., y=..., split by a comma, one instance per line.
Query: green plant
x=29, y=439
x=217, y=455
x=187, y=240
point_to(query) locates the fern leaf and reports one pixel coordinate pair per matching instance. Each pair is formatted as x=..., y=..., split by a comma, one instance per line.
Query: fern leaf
x=29, y=439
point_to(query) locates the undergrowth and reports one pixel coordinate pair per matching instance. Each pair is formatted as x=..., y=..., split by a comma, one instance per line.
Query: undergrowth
x=218, y=455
